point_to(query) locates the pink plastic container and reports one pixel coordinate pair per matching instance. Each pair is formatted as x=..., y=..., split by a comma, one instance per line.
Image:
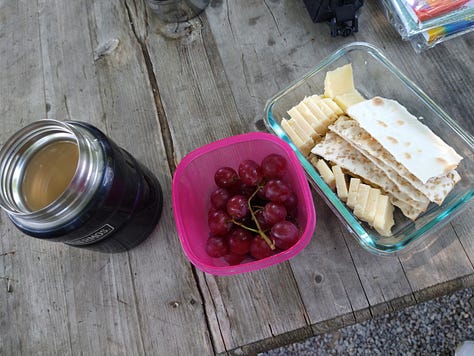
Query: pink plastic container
x=193, y=183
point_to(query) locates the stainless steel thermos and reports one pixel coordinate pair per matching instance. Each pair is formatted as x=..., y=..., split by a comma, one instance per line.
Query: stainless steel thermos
x=68, y=182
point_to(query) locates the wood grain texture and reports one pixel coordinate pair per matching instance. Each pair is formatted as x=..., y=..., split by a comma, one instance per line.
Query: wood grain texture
x=32, y=292
x=196, y=99
x=160, y=91
x=263, y=52
x=128, y=303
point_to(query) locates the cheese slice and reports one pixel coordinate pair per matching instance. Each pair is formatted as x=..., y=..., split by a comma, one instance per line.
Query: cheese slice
x=334, y=107
x=361, y=201
x=383, y=220
x=303, y=145
x=352, y=194
x=371, y=207
x=348, y=99
x=325, y=172
x=300, y=130
x=341, y=184
x=339, y=81
x=326, y=109
x=316, y=124
x=409, y=141
x=303, y=123
x=310, y=102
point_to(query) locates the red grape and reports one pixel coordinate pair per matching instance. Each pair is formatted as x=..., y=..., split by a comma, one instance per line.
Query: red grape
x=237, y=207
x=277, y=191
x=249, y=172
x=291, y=203
x=219, y=223
x=234, y=259
x=253, y=197
x=259, y=248
x=243, y=189
x=264, y=225
x=239, y=241
x=226, y=177
x=219, y=198
x=261, y=194
x=274, y=212
x=217, y=247
x=285, y=234
x=211, y=211
x=273, y=166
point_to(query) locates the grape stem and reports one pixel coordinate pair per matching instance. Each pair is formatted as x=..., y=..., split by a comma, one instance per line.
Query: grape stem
x=260, y=231
x=244, y=226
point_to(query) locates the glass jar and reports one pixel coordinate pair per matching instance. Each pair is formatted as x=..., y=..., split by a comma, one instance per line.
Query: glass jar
x=172, y=11
x=68, y=182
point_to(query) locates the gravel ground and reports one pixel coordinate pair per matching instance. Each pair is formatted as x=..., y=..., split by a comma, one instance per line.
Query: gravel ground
x=435, y=327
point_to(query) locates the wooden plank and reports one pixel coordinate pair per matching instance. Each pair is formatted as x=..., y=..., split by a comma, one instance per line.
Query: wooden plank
x=99, y=291
x=113, y=325
x=194, y=93
x=330, y=280
x=111, y=304
x=32, y=298
x=438, y=259
x=382, y=277
x=463, y=226
x=168, y=300
x=263, y=51
x=196, y=97
x=262, y=48
x=339, y=294
x=20, y=74
x=254, y=306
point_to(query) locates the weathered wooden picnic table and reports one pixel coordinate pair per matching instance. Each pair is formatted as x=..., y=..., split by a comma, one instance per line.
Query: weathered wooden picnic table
x=161, y=91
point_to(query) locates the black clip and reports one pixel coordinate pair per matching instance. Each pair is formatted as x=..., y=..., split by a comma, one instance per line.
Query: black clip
x=342, y=14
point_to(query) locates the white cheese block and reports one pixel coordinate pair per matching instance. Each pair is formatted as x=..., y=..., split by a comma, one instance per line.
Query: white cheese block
x=339, y=81
x=326, y=109
x=348, y=99
x=325, y=173
x=302, y=132
x=352, y=194
x=371, y=207
x=317, y=125
x=311, y=103
x=303, y=146
x=303, y=123
x=334, y=107
x=383, y=220
x=290, y=132
x=409, y=141
x=341, y=184
x=361, y=201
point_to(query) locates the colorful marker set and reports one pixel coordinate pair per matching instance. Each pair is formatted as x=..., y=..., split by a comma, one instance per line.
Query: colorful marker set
x=425, y=23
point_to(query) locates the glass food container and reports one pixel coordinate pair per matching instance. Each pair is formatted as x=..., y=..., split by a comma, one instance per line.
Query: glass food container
x=375, y=75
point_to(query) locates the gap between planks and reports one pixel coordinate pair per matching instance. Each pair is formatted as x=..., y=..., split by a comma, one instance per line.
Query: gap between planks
x=165, y=131
x=167, y=138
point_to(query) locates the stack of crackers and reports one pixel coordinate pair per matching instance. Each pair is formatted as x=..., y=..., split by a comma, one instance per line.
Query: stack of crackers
x=377, y=152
